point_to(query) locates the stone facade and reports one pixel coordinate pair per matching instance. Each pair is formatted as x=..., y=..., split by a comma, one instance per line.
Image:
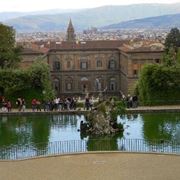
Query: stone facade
x=131, y=64
x=28, y=56
x=82, y=71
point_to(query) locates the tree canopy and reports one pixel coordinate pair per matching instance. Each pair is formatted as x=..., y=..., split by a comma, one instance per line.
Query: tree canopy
x=9, y=53
x=172, y=40
x=172, y=48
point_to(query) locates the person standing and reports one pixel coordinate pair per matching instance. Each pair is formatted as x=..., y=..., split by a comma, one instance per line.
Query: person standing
x=9, y=106
x=23, y=105
x=33, y=103
x=38, y=105
x=19, y=104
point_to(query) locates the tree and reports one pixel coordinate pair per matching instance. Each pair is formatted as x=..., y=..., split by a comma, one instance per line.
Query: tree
x=169, y=58
x=178, y=57
x=159, y=85
x=9, y=53
x=40, y=78
x=173, y=40
x=172, y=44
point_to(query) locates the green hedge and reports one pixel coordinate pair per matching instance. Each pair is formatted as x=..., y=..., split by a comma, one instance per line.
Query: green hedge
x=30, y=83
x=159, y=85
x=27, y=94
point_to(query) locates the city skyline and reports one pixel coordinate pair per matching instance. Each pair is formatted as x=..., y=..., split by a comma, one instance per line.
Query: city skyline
x=33, y=5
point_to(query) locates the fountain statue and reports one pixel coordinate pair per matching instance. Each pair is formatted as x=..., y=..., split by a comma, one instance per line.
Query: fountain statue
x=102, y=119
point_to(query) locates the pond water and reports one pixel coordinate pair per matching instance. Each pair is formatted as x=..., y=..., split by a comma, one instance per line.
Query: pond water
x=32, y=130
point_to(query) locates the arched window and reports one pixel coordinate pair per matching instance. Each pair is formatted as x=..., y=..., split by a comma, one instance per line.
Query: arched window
x=69, y=84
x=84, y=79
x=56, y=85
x=112, y=64
x=112, y=84
x=84, y=84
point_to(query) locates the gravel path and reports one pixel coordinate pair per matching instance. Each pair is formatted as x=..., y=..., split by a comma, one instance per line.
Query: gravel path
x=100, y=166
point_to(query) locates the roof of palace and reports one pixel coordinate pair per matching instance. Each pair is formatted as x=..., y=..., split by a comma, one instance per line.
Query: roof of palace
x=84, y=45
x=125, y=46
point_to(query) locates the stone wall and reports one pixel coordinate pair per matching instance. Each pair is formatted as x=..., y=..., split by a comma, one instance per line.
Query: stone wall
x=131, y=64
x=28, y=59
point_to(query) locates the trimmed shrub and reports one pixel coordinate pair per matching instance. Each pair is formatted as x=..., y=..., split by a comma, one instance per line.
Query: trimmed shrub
x=31, y=83
x=159, y=85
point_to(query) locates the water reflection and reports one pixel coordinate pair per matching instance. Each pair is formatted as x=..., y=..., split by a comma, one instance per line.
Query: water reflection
x=16, y=131
x=40, y=134
x=148, y=126
x=161, y=126
x=37, y=132
x=106, y=143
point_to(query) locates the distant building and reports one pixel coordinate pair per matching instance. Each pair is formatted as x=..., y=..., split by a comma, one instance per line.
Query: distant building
x=111, y=67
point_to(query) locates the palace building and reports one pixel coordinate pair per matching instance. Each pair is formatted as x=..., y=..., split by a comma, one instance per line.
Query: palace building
x=110, y=67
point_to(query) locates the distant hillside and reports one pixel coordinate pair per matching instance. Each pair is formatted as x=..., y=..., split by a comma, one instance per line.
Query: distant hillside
x=166, y=21
x=9, y=15
x=97, y=17
x=4, y=16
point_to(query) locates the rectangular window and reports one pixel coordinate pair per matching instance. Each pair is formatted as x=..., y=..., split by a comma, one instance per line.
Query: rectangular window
x=56, y=65
x=157, y=61
x=84, y=65
x=68, y=86
x=112, y=64
x=112, y=86
x=135, y=72
x=68, y=64
x=135, y=69
x=99, y=63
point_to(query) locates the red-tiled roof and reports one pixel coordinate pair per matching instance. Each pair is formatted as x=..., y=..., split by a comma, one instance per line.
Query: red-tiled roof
x=64, y=45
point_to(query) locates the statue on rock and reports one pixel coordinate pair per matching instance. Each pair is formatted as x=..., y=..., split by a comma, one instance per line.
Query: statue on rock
x=102, y=120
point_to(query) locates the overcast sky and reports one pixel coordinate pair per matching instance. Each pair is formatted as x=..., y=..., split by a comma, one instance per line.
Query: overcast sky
x=35, y=5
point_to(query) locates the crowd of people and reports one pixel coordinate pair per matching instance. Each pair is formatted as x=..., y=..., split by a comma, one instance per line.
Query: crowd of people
x=130, y=101
x=58, y=104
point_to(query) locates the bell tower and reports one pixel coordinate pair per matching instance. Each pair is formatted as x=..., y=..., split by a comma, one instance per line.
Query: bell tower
x=70, y=36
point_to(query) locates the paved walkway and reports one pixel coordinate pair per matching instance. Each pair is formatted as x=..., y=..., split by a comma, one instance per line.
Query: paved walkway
x=165, y=108
x=29, y=111
x=107, y=166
